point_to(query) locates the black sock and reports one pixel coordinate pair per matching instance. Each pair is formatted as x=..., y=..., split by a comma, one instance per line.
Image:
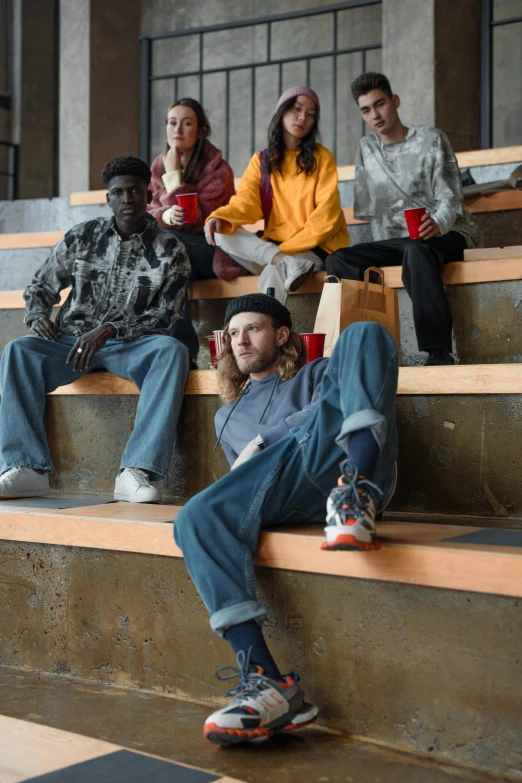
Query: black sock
x=364, y=451
x=244, y=636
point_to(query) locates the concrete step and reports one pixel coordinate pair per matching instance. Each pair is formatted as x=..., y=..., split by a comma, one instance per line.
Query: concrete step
x=422, y=667
x=487, y=321
x=172, y=730
x=459, y=453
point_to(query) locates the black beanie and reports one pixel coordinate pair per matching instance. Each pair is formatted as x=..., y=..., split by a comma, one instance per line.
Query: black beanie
x=259, y=303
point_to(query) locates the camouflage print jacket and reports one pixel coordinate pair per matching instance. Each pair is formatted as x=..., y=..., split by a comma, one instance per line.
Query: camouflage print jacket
x=140, y=293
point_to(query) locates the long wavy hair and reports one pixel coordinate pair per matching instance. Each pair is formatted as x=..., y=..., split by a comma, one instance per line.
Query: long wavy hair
x=305, y=160
x=196, y=163
x=231, y=381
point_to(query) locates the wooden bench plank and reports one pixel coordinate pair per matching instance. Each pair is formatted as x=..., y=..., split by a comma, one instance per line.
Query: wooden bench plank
x=29, y=240
x=456, y=273
x=489, y=253
x=456, y=379
x=505, y=200
x=411, y=553
x=29, y=750
x=472, y=158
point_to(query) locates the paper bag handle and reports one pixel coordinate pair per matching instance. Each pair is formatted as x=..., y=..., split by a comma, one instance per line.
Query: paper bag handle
x=377, y=271
x=329, y=278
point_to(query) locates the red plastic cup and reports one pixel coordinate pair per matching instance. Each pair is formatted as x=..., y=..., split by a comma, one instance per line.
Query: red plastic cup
x=218, y=340
x=189, y=202
x=314, y=345
x=212, y=347
x=413, y=220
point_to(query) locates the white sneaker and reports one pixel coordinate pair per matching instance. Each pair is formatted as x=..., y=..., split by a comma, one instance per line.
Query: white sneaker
x=133, y=485
x=297, y=271
x=22, y=482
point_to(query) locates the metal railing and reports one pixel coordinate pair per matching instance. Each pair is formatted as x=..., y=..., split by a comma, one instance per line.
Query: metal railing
x=11, y=173
x=147, y=42
x=486, y=79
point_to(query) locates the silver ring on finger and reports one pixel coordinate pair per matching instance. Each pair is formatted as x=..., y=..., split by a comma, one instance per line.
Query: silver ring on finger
x=80, y=350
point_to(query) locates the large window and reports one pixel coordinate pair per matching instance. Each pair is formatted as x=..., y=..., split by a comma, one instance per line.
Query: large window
x=238, y=71
x=501, y=73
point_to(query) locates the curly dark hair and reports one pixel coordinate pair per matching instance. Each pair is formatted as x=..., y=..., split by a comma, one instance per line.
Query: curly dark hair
x=125, y=165
x=276, y=145
x=196, y=163
x=367, y=82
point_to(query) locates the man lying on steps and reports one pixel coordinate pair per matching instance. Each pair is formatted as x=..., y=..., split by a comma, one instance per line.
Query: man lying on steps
x=400, y=168
x=128, y=280
x=285, y=428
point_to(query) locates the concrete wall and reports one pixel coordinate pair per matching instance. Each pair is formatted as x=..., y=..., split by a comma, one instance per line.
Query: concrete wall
x=507, y=75
x=38, y=99
x=99, y=88
x=74, y=95
x=436, y=671
x=431, y=54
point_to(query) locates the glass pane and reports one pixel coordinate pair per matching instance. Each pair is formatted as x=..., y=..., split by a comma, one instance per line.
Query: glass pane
x=506, y=9
x=507, y=85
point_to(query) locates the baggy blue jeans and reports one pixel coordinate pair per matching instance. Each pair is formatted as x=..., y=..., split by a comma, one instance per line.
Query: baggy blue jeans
x=31, y=367
x=289, y=482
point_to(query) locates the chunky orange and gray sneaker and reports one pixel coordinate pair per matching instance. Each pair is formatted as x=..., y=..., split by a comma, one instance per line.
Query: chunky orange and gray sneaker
x=261, y=707
x=351, y=511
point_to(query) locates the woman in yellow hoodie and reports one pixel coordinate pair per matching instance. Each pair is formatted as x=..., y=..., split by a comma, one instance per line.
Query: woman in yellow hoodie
x=293, y=186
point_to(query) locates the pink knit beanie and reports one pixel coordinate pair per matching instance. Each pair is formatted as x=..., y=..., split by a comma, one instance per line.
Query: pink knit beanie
x=293, y=92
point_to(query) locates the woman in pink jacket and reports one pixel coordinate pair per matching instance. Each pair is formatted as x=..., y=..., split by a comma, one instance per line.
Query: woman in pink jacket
x=191, y=164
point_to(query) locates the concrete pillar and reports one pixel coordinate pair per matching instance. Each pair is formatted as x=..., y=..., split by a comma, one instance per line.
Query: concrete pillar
x=99, y=88
x=38, y=95
x=431, y=54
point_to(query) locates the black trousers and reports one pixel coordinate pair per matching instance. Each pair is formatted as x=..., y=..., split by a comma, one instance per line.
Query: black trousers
x=422, y=262
x=201, y=255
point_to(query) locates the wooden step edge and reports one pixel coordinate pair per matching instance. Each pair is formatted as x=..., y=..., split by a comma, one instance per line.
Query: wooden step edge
x=411, y=554
x=32, y=751
x=492, y=253
x=456, y=379
x=456, y=273
x=496, y=202
x=469, y=159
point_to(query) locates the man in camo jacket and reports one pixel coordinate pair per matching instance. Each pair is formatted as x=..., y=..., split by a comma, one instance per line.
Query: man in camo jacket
x=127, y=280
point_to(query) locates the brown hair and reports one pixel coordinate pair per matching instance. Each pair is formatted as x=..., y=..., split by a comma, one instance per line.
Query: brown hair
x=230, y=379
x=196, y=163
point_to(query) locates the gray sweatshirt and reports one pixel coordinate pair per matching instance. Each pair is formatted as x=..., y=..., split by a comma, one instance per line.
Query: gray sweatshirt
x=269, y=408
x=421, y=171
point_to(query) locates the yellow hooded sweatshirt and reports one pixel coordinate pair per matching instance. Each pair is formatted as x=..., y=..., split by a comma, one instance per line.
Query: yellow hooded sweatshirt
x=306, y=211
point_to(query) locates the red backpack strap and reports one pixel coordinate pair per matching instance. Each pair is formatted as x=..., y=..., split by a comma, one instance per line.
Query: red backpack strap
x=265, y=187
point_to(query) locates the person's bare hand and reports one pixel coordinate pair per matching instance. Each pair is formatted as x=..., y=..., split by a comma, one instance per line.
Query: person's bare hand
x=428, y=228
x=44, y=327
x=172, y=160
x=176, y=215
x=212, y=227
x=86, y=346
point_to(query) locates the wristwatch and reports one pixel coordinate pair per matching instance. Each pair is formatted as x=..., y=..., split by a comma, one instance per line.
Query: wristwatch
x=258, y=440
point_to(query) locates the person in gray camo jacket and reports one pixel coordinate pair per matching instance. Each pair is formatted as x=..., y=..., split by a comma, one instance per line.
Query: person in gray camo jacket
x=127, y=280
x=399, y=168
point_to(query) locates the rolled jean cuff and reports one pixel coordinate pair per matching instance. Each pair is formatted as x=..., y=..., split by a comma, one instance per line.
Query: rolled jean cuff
x=363, y=420
x=233, y=615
